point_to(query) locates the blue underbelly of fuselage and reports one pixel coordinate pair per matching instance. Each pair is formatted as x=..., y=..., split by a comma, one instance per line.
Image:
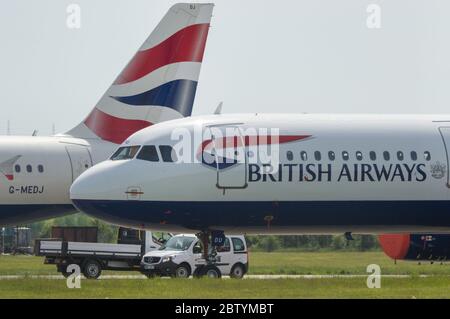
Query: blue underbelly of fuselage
x=13, y=215
x=276, y=215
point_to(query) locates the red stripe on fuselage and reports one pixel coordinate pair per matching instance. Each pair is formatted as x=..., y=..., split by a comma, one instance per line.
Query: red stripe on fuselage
x=187, y=45
x=111, y=128
x=235, y=141
x=9, y=177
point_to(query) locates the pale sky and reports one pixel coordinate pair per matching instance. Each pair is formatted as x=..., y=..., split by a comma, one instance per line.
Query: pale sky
x=310, y=56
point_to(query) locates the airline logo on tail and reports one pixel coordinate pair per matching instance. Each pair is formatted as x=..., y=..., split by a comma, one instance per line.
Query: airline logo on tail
x=181, y=52
x=160, y=81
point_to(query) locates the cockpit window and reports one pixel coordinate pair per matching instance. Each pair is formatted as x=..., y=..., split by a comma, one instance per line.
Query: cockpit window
x=124, y=153
x=168, y=153
x=148, y=153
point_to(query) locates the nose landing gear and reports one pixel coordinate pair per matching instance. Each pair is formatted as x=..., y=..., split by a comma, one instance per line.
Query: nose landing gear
x=209, y=255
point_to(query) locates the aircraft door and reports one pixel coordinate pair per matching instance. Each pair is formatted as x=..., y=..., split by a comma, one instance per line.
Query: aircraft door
x=445, y=133
x=80, y=159
x=229, y=150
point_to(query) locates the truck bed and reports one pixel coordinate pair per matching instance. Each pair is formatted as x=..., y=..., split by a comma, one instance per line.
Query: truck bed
x=58, y=248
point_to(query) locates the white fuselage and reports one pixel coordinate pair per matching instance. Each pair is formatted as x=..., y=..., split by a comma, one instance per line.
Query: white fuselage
x=36, y=174
x=361, y=173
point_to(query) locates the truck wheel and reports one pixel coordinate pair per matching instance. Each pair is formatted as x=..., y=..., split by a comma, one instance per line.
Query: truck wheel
x=182, y=271
x=92, y=269
x=211, y=271
x=237, y=271
x=198, y=272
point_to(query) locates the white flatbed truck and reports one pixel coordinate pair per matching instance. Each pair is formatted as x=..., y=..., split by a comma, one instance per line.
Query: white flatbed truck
x=93, y=257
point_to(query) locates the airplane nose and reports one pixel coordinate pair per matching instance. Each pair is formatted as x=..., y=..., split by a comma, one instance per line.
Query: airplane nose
x=102, y=190
x=101, y=182
x=87, y=185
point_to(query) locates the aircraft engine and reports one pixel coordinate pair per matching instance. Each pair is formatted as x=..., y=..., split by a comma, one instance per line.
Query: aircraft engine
x=416, y=246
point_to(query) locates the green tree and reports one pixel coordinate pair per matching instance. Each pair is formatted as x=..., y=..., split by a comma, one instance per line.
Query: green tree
x=269, y=243
x=338, y=242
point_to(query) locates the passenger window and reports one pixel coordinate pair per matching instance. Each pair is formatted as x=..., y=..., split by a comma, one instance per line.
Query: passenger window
x=359, y=156
x=225, y=248
x=373, y=156
x=345, y=155
x=238, y=244
x=124, y=153
x=414, y=156
x=289, y=155
x=17, y=168
x=148, y=153
x=40, y=168
x=331, y=155
x=400, y=156
x=304, y=156
x=29, y=169
x=386, y=156
x=317, y=155
x=168, y=153
x=427, y=156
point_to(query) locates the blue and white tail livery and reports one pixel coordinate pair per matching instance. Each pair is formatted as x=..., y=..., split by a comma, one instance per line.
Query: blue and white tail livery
x=158, y=84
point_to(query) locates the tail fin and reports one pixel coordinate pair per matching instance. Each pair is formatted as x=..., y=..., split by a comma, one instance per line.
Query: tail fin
x=160, y=81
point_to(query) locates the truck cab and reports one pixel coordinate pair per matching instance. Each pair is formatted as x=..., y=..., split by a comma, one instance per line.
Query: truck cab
x=182, y=254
